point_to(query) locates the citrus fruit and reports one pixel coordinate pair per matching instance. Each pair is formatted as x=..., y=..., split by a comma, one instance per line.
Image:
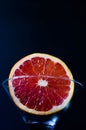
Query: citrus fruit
x=41, y=84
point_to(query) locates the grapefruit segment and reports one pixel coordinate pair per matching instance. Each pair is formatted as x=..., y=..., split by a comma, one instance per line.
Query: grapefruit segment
x=27, y=68
x=48, y=67
x=38, y=64
x=41, y=84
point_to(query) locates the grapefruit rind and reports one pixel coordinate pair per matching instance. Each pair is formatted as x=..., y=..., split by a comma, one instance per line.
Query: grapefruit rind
x=54, y=109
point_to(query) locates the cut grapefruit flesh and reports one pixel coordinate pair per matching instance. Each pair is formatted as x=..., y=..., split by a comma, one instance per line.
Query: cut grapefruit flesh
x=41, y=84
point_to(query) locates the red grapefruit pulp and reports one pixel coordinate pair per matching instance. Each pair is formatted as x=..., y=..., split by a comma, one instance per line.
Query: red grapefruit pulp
x=41, y=84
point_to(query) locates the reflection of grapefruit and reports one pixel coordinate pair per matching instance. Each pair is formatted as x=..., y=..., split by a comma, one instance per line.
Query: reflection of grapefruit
x=41, y=84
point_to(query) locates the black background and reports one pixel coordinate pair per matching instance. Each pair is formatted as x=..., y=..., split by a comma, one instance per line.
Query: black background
x=56, y=28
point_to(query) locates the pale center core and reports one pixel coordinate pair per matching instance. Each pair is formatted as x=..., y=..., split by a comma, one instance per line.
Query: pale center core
x=42, y=83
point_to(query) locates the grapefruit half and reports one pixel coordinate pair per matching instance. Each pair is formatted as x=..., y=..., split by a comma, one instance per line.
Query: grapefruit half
x=41, y=84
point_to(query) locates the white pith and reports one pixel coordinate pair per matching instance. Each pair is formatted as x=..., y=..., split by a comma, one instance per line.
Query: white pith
x=42, y=83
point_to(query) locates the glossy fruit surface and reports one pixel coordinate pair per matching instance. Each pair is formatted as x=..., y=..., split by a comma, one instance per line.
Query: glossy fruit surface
x=41, y=84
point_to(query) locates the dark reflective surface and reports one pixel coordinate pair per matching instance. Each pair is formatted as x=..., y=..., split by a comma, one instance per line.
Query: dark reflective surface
x=55, y=28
